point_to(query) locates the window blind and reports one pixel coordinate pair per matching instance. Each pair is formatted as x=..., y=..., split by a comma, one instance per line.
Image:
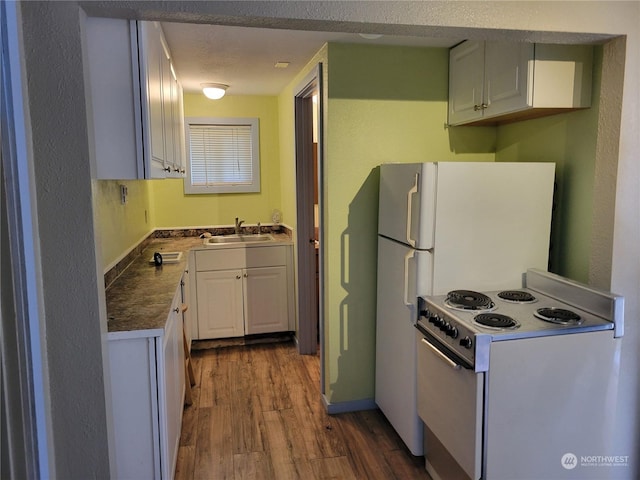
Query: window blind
x=220, y=155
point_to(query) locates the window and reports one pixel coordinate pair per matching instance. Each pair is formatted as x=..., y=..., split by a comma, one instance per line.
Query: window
x=222, y=155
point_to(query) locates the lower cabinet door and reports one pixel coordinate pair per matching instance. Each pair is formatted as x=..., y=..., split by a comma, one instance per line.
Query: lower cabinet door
x=171, y=384
x=134, y=403
x=220, y=306
x=265, y=305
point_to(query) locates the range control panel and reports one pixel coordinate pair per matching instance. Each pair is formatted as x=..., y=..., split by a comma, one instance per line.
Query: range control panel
x=449, y=331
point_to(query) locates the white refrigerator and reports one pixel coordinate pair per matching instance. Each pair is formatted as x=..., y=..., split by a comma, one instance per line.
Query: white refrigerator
x=445, y=226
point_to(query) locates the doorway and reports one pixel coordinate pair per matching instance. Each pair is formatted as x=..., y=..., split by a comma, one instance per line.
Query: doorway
x=308, y=148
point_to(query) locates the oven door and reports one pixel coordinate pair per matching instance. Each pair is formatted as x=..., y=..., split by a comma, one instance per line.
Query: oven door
x=450, y=403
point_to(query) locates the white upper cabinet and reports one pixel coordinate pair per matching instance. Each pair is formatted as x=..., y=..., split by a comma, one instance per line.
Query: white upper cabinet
x=499, y=82
x=507, y=76
x=134, y=101
x=152, y=70
x=466, y=82
x=178, y=164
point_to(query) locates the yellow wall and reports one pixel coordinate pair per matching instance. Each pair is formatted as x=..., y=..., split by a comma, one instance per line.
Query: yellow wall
x=172, y=208
x=120, y=227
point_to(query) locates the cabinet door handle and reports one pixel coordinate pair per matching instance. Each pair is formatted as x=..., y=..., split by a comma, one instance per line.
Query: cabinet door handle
x=246, y=275
x=167, y=169
x=238, y=277
x=177, y=310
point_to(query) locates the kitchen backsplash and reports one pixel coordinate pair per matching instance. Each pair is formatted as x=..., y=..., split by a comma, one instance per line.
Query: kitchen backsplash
x=114, y=272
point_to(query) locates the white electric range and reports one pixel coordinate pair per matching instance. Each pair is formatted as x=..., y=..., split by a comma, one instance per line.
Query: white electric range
x=518, y=384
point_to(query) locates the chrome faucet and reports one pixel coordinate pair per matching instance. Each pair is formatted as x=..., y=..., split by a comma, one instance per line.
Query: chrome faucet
x=238, y=226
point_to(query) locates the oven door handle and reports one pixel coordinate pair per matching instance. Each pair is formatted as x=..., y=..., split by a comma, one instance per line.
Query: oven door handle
x=441, y=355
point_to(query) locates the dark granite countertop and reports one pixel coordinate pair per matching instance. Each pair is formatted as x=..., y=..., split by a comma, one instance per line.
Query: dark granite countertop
x=139, y=299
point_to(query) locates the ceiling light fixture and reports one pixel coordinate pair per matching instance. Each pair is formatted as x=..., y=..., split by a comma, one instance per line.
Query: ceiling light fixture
x=370, y=36
x=214, y=91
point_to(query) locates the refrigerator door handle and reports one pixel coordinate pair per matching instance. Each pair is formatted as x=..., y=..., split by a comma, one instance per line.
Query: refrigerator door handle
x=410, y=193
x=407, y=258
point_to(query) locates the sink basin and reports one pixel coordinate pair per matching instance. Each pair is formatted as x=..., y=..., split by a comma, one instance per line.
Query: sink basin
x=252, y=238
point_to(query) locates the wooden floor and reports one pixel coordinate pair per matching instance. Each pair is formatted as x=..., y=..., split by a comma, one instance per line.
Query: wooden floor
x=257, y=414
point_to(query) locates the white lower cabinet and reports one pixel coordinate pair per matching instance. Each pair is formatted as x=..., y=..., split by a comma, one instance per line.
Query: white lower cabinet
x=243, y=291
x=220, y=304
x=147, y=391
x=265, y=300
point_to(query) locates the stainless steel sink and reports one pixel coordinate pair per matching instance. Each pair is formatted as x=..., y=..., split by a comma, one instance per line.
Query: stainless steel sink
x=252, y=238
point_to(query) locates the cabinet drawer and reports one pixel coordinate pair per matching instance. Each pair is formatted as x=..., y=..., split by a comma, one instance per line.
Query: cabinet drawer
x=266, y=257
x=238, y=258
x=224, y=259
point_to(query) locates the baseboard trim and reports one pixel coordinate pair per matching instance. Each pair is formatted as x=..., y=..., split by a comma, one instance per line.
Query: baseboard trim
x=351, y=406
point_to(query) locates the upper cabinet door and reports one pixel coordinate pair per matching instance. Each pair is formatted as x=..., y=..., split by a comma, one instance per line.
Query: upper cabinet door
x=466, y=82
x=152, y=79
x=168, y=96
x=175, y=115
x=508, y=77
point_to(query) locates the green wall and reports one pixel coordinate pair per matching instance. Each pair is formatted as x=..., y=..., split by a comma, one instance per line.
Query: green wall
x=286, y=111
x=172, y=208
x=569, y=140
x=386, y=104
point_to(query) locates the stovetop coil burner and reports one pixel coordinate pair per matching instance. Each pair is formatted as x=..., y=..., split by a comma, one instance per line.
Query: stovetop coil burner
x=558, y=315
x=517, y=296
x=468, y=300
x=496, y=320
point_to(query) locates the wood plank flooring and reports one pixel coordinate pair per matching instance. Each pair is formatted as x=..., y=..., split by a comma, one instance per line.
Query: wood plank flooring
x=257, y=414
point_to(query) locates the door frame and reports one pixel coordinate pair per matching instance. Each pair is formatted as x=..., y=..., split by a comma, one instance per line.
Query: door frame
x=310, y=299
x=24, y=409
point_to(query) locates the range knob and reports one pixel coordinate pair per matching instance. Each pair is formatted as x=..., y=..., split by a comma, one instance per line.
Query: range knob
x=439, y=322
x=444, y=326
x=451, y=331
x=434, y=319
x=466, y=342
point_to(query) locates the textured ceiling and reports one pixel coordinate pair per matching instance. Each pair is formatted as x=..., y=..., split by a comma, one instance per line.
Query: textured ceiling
x=244, y=57
x=238, y=42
